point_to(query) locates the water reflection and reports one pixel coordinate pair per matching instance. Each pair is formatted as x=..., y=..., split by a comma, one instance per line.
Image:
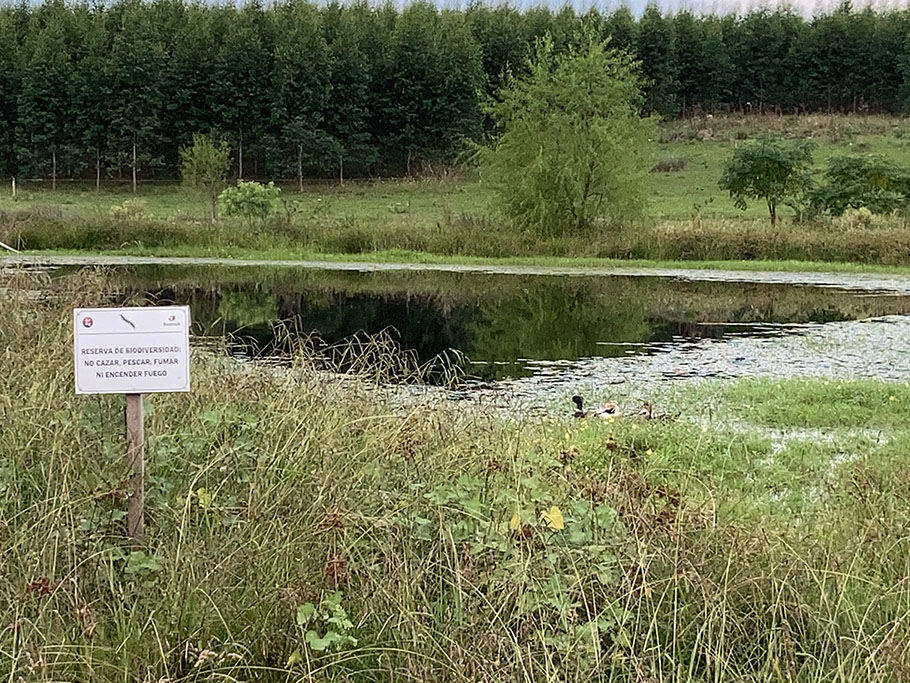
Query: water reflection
x=505, y=325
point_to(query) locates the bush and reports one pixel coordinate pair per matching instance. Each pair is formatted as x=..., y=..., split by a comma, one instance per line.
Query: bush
x=670, y=164
x=870, y=182
x=129, y=210
x=251, y=200
x=203, y=166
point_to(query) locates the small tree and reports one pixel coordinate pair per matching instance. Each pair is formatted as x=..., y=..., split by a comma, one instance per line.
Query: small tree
x=251, y=200
x=204, y=167
x=572, y=150
x=771, y=169
x=870, y=182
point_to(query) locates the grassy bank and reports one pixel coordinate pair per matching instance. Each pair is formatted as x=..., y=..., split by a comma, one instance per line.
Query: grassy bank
x=310, y=529
x=239, y=256
x=701, y=241
x=691, y=219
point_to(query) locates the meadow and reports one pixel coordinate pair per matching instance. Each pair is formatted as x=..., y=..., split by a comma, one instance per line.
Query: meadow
x=453, y=215
x=315, y=528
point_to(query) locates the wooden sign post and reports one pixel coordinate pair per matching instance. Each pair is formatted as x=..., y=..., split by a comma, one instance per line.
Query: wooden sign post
x=135, y=457
x=132, y=351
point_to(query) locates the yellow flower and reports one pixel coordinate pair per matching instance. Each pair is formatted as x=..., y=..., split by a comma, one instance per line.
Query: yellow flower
x=553, y=518
x=204, y=497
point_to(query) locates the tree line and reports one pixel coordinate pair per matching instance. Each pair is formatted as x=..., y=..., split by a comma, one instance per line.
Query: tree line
x=297, y=88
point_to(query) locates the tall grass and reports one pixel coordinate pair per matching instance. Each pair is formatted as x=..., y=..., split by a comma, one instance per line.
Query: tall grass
x=303, y=526
x=884, y=242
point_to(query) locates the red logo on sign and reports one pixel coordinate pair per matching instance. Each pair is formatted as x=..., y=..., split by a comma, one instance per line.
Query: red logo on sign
x=87, y=322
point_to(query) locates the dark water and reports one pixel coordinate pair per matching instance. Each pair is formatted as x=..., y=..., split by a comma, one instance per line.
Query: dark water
x=501, y=324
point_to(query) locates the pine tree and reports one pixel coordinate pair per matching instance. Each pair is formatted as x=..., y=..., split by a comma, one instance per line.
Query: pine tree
x=91, y=91
x=656, y=48
x=134, y=72
x=241, y=88
x=43, y=105
x=10, y=73
x=349, y=141
x=300, y=81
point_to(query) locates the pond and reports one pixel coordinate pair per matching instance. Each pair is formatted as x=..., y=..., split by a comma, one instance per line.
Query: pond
x=549, y=334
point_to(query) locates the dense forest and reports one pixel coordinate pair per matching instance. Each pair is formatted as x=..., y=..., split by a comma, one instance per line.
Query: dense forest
x=97, y=91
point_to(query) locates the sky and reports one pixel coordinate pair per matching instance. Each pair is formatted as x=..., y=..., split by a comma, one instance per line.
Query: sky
x=807, y=8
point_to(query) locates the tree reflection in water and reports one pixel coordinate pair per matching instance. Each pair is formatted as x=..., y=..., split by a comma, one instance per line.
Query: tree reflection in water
x=497, y=321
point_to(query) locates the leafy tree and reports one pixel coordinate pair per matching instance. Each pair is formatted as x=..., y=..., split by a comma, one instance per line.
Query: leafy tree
x=871, y=182
x=204, y=167
x=10, y=74
x=91, y=92
x=656, y=48
x=771, y=169
x=240, y=80
x=300, y=85
x=135, y=70
x=572, y=150
x=43, y=107
x=250, y=200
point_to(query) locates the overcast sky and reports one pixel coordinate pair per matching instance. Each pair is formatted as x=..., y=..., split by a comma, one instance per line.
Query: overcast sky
x=805, y=7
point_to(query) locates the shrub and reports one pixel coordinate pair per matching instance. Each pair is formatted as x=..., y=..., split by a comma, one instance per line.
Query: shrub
x=203, y=166
x=870, y=182
x=670, y=164
x=129, y=210
x=251, y=200
x=864, y=219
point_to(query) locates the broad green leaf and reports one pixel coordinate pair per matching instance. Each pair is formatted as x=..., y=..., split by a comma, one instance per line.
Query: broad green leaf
x=305, y=613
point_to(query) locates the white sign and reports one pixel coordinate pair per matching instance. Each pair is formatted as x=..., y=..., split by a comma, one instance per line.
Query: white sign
x=132, y=350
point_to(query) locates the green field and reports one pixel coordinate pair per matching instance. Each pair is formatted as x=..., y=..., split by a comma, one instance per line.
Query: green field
x=691, y=219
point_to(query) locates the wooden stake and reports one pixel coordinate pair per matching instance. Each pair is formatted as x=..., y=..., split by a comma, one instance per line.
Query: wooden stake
x=14, y=187
x=135, y=458
x=134, y=168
